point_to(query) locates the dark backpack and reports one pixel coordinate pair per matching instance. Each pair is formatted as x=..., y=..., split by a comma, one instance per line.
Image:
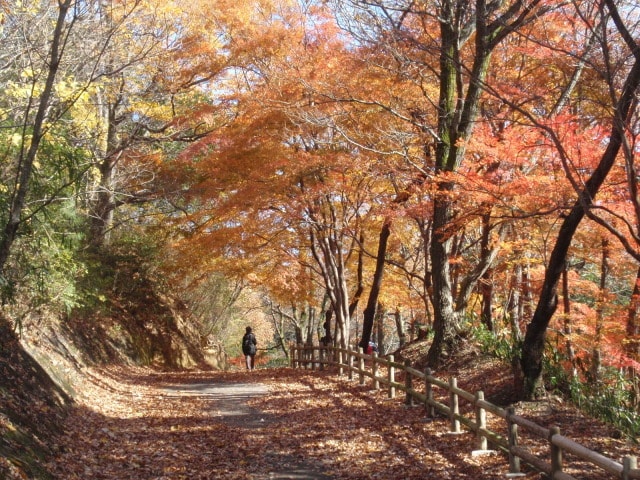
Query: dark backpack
x=248, y=346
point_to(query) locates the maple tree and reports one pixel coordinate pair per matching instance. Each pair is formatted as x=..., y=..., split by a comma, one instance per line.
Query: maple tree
x=624, y=105
x=322, y=215
x=416, y=155
x=288, y=195
x=340, y=172
x=467, y=39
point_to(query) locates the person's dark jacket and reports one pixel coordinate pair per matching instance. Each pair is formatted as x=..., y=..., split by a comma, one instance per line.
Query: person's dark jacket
x=249, y=344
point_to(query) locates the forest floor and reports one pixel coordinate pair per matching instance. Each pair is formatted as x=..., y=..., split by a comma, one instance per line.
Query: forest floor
x=133, y=423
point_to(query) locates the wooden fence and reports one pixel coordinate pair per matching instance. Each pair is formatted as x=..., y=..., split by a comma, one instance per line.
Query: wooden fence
x=345, y=361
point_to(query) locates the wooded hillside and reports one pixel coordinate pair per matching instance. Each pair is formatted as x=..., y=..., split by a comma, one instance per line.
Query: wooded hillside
x=338, y=172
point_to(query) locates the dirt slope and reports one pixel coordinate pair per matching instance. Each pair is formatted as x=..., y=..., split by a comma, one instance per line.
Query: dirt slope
x=32, y=409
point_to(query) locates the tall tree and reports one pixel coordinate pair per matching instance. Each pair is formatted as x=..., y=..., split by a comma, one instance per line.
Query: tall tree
x=458, y=111
x=272, y=192
x=35, y=117
x=144, y=110
x=450, y=73
x=624, y=107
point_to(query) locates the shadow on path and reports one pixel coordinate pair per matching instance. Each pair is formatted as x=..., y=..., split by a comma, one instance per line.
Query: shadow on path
x=230, y=406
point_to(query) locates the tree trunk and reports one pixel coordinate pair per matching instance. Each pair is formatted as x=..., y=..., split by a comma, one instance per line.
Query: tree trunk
x=514, y=307
x=534, y=341
x=567, y=328
x=370, y=311
x=456, y=119
x=400, y=327
x=444, y=313
x=632, y=343
x=380, y=314
x=105, y=202
x=327, y=251
x=486, y=281
x=25, y=163
x=427, y=284
x=597, y=349
x=327, y=339
x=360, y=282
x=486, y=316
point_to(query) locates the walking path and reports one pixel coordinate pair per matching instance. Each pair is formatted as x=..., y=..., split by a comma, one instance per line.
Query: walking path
x=267, y=424
x=230, y=406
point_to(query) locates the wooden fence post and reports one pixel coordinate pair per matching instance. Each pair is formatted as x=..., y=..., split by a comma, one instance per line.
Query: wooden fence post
x=350, y=363
x=628, y=464
x=392, y=378
x=556, y=452
x=454, y=407
x=512, y=432
x=408, y=385
x=361, y=366
x=374, y=371
x=428, y=388
x=340, y=362
x=481, y=421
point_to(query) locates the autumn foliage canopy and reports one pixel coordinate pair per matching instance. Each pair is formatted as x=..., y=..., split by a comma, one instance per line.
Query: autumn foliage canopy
x=362, y=169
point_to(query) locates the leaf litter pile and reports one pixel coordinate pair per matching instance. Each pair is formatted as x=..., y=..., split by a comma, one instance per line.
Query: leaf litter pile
x=270, y=423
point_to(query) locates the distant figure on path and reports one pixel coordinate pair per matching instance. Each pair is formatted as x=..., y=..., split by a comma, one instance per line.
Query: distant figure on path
x=249, y=348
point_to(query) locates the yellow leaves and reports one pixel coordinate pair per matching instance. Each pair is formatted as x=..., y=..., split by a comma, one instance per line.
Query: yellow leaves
x=69, y=90
x=23, y=7
x=158, y=111
x=22, y=90
x=94, y=174
x=27, y=73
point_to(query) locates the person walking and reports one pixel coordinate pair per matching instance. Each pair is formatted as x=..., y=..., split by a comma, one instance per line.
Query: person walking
x=249, y=345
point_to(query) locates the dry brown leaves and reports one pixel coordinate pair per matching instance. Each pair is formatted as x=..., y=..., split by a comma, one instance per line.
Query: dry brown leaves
x=136, y=424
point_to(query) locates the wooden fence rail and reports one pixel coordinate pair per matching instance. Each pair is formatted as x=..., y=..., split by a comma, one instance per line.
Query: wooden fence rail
x=354, y=362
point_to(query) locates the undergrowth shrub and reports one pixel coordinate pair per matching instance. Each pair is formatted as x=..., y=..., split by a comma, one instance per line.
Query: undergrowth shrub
x=497, y=344
x=608, y=398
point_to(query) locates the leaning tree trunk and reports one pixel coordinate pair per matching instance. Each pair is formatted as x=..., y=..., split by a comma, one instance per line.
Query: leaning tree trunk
x=534, y=341
x=355, y=300
x=370, y=311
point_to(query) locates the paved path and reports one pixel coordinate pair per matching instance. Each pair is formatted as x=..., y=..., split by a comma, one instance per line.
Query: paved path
x=230, y=402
